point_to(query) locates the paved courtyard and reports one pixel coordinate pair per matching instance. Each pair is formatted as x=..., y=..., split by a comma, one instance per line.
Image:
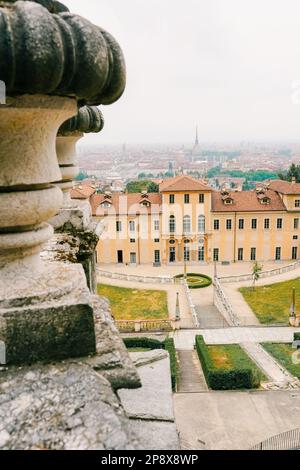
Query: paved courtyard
x=234, y=420
x=233, y=269
x=185, y=339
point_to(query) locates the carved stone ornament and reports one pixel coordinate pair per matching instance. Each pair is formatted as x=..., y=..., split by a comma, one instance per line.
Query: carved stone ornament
x=58, y=54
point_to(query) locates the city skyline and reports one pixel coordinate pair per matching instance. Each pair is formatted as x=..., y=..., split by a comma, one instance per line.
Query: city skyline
x=233, y=69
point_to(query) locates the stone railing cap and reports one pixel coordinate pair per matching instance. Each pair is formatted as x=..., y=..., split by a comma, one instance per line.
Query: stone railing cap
x=89, y=119
x=45, y=49
x=52, y=5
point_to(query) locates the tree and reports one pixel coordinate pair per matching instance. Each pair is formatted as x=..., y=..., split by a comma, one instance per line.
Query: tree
x=256, y=271
x=139, y=186
x=82, y=175
x=293, y=172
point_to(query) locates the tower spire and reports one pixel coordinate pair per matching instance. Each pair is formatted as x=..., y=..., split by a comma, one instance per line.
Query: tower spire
x=197, y=140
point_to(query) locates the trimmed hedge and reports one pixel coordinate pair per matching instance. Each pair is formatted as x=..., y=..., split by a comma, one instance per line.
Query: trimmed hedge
x=143, y=342
x=170, y=347
x=149, y=343
x=196, y=285
x=221, y=379
x=296, y=336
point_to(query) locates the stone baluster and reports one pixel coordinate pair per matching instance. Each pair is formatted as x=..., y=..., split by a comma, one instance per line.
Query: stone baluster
x=89, y=119
x=51, y=61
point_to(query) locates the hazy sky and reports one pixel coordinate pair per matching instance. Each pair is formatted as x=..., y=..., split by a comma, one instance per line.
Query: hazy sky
x=228, y=65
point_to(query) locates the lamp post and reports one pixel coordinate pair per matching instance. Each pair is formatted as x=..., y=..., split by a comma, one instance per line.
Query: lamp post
x=293, y=307
x=177, y=311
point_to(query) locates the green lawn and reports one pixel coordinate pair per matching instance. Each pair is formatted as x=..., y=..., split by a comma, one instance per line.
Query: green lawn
x=232, y=356
x=136, y=304
x=271, y=304
x=283, y=354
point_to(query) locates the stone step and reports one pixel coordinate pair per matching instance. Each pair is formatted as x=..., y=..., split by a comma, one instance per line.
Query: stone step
x=191, y=377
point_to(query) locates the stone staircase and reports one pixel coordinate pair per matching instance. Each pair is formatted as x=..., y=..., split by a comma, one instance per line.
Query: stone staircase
x=191, y=377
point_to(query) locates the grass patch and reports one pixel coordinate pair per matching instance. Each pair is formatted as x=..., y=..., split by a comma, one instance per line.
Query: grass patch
x=271, y=304
x=228, y=367
x=135, y=304
x=283, y=354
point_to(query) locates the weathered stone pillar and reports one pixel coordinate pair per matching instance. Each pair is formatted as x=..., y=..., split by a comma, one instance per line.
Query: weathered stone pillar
x=50, y=60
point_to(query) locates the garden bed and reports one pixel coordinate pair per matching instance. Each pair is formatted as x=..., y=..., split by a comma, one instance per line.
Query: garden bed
x=271, y=303
x=228, y=367
x=135, y=304
x=284, y=353
x=196, y=281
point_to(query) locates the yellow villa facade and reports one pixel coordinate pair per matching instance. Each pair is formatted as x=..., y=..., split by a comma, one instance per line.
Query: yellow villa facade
x=188, y=220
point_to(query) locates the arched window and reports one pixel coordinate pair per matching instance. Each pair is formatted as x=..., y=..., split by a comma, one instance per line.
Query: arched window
x=186, y=224
x=172, y=224
x=201, y=224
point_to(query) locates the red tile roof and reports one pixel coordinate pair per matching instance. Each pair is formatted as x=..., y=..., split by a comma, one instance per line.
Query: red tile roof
x=183, y=183
x=247, y=201
x=284, y=187
x=82, y=192
x=125, y=204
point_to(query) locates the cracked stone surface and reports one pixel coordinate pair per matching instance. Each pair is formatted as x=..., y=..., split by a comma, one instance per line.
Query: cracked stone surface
x=153, y=401
x=61, y=406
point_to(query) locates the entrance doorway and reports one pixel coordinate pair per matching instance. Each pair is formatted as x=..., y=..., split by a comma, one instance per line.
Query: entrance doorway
x=120, y=256
x=172, y=257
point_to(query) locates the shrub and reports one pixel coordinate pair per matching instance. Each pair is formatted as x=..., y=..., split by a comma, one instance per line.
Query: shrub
x=222, y=379
x=170, y=347
x=143, y=342
x=203, y=280
x=296, y=336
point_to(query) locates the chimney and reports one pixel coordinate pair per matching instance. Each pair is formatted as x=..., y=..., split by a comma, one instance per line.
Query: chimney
x=293, y=180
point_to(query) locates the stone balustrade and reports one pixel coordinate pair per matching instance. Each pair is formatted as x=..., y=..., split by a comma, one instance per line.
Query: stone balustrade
x=50, y=63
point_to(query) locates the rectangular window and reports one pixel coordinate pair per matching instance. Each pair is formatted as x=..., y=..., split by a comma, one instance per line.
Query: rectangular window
x=241, y=224
x=296, y=224
x=253, y=254
x=132, y=240
x=216, y=224
x=240, y=254
x=216, y=254
x=279, y=223
x=295, y=237
x=156, y=240
x=119, y=226
x=132, y=258
x=201, y=198
x=297, y=203
x=186, y=253
x=201, y=253
x=132, y=225
x=267, y=224
x=294, y=252
x=254, y=224
x=157, y=256
x=156, y=225
x=228, y=224
x=186, y=198
x=278, y=253
x=171, y=198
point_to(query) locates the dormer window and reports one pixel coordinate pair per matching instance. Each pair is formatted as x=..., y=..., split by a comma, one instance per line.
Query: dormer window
x=145, y=203
x=228, y=201
x=265, y=200
x=106, y=204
